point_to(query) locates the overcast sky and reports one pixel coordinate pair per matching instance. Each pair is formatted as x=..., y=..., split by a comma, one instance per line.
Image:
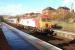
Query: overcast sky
x=16, y=7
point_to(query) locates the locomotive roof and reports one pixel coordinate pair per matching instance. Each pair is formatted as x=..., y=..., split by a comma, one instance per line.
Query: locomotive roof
x=44, y=16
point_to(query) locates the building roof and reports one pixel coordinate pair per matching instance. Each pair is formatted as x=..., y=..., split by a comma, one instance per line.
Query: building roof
x=64, y=8
x=49, y=8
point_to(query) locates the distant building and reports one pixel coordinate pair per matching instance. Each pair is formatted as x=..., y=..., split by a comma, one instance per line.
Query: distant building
x=48, y=11
x=31, y=15
x=6, y=17
x=63, y=10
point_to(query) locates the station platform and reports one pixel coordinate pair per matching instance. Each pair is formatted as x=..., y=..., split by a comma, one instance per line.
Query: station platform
x=20, y=40
x=15, y=41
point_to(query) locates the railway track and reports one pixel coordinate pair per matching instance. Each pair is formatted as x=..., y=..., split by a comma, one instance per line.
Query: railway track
x=63, y=43
x=63, y=40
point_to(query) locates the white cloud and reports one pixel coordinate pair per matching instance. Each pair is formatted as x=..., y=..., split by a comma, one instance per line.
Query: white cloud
x=11, y=9
x=16, y=9
x=68, y=2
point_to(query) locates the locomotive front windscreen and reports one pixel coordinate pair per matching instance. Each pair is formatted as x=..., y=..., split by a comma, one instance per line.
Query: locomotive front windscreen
x=45, y=19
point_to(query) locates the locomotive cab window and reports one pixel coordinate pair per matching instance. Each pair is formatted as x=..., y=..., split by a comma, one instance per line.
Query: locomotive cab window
x=45, y=19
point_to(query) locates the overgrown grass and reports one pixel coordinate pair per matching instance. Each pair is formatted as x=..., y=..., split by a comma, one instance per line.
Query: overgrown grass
x=67, y=26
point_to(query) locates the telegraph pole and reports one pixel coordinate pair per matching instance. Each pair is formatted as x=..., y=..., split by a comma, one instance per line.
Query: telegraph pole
x=72, y=6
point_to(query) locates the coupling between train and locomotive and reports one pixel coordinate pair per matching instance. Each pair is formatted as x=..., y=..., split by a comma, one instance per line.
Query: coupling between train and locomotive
x=39, y=23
